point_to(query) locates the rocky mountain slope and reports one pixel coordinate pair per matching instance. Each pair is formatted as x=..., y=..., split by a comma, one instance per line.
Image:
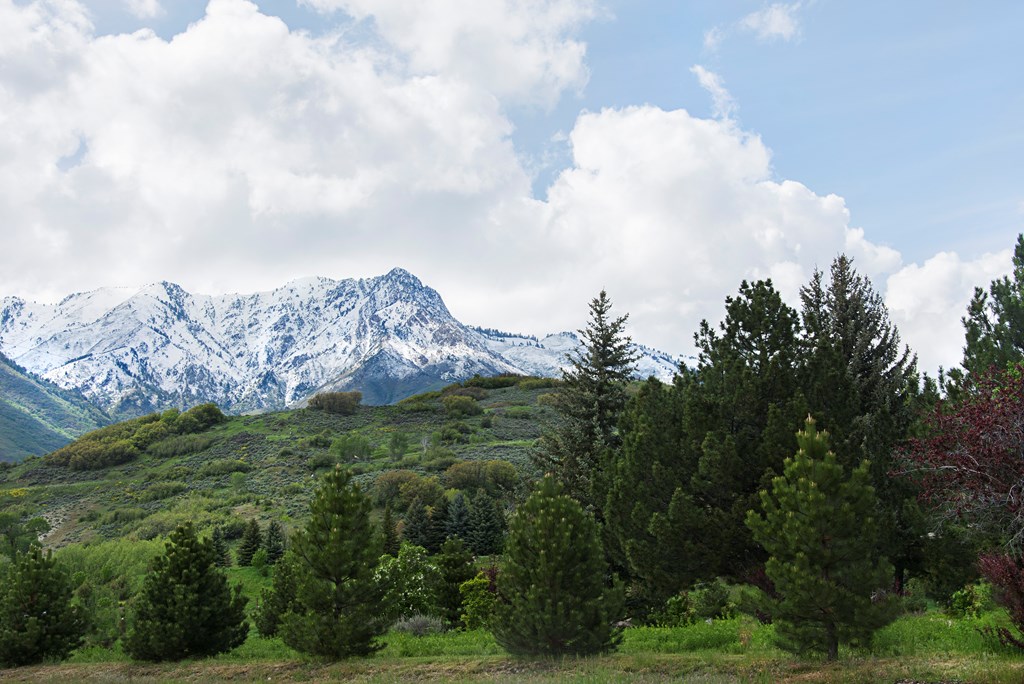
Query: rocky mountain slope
x=132, y=352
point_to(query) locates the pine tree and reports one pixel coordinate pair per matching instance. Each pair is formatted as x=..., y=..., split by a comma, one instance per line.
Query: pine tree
x=221, y=553
x=580, y=449
x=486, y=525
x=274, y=542
x=819, y=528
x=339, y=607
x=458, y=517
x=437, y=531
x=37, y=620
x=279, y=599
x=185, y=608
x=252, y=541
x=391, y=541
x=455, y=564
x=862, y=385
x=554, y=594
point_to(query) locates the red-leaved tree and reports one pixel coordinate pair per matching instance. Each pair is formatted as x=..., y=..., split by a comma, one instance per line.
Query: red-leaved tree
x=972, y=462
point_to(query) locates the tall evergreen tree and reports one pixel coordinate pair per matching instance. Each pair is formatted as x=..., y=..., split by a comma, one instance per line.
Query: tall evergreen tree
x=994, y=323
x=221, y=553
x=437, y=530
x=555, y=597
x=252, y=541
x=458, y=517
x=186, y=609
x=339, y=607
x=819, y=529
x=486, y=525
x=862, y=384
x=391, y=541
x=37, y=620
x=455, y=564
x=274, y=543
x=417, y=524
x=582, y=446
x=279, y=599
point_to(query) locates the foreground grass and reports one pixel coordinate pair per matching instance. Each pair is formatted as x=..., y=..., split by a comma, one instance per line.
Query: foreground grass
x=921, y=648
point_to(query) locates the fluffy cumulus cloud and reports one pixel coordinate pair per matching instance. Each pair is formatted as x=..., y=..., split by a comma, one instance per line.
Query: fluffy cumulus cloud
x=522, y=51
x=145, y=9
x=775, y=22
x=240, y=154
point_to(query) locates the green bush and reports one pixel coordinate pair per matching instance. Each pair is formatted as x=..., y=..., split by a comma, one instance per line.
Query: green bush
x=181, y=445
x=224, y=466
x=351, y=446
x=493, y=381
x=319, y=441
x=458, y=406
x=162, y=490
x=343, y=403
x=519, y=412
x=539, y=383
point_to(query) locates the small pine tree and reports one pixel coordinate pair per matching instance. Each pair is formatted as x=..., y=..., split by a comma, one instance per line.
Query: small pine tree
x=274, y=542
x=221, y=553
x=279, y=599
x=554, y=595
x=455, y=564
x=252, y=541
x=458, y=517
x=185, y=608
x=486, y=525
x=37, y=620
x=339, y=610
x=820, y=529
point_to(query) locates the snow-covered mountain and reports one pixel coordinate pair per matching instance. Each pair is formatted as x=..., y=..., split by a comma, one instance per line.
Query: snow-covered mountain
x=136, y=351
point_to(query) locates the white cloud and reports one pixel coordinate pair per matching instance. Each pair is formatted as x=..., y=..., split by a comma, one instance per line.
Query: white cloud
x=724, y=104
x=775, y=22
x=145, y=9
x=927, y=302
x=241, y=154
x=713, y=38
x=522, y=51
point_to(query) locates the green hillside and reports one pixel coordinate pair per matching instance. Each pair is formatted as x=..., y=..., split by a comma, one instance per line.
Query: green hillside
x=265, y=466
x=37, y=417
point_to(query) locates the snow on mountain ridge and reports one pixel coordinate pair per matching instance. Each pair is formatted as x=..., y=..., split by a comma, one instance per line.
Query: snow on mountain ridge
x=389, y=336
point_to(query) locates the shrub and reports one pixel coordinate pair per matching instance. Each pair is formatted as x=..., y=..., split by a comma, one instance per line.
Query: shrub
x=344, y=403
x=1007, y=576
x=419, y=625
x=460, y=406
x=493, y=381
x=351, y=446
x=539, y=383
x=970, y=601
x=479, y=600
x=387, y=487
x=471, y=392
x=180, y=445
x=162, y=490
x=205, y=416
x=319, y=441
x=519, y=412
x=224, y=466
x=409, y=582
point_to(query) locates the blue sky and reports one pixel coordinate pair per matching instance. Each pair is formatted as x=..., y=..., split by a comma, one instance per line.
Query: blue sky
x=518, y=155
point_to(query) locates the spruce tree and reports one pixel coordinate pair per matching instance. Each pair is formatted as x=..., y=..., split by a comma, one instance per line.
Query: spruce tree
x=339, y=609
x=221, y=553
x=458, y=517
x=252, y=541
x=486, y=525
x=417, y=524
x=580, y=449
x=554, y=591
x=185, y=608
x=437, y=530
x=279, y=599
x=37, y=620
x=274, y=542
x=391, y=540
x=455, y=564
x=819, y=528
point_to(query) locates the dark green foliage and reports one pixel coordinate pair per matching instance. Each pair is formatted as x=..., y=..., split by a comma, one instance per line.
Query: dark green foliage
x=437, y=531
x=344, y=403
x=589, y=402
x=252, y=541
x=455, y=564
x=492, y=475
x=279, y=599
x=37, y=620
x=321, y=440
x=274, y=542
x=416, y=530
x=458, y=517
x=398, y=444
x=554, y=593
x=392, y=542
x=186, y=609
x=338, y=611
x=205, y=416
x=994, y=323
x=820, y=528
x=493, y=381
x=486, y=525
x=221, y=553
x=18, y=533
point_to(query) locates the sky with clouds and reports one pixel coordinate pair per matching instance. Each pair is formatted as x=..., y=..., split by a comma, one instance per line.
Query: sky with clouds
x=517, y=155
